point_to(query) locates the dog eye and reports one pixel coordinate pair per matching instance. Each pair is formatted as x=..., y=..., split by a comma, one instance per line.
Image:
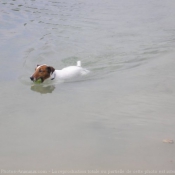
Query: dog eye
x=40, y=70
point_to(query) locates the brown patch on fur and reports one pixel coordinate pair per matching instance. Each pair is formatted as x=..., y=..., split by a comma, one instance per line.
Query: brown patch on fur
x=42, y=72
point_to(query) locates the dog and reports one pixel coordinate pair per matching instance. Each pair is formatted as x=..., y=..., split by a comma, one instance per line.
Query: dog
x=71, y=73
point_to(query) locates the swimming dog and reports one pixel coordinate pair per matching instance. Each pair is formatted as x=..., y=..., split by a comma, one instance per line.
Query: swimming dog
x=71, y=73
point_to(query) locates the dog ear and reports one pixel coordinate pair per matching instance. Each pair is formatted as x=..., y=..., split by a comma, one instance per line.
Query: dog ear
x=50, y=69
x=37, y=65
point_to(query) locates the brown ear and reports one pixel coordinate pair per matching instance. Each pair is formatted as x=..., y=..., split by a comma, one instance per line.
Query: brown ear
x=50, y=69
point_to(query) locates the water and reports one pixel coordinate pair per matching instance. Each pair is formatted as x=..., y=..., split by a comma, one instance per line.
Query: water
x=115, y=119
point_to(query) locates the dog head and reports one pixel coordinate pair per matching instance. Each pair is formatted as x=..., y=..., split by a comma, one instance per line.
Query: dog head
x=42, y=72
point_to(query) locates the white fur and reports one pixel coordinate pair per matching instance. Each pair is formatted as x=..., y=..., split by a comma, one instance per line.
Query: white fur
x=70, y=73
x=79, y=63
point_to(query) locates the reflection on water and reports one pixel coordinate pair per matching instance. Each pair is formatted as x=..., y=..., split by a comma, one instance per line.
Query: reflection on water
x=43, y=89
x=116, y=118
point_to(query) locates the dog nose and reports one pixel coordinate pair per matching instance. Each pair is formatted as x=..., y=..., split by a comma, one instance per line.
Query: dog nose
x=31, y=78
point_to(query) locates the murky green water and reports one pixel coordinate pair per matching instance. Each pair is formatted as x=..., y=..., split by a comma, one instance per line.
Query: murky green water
x=114, y=120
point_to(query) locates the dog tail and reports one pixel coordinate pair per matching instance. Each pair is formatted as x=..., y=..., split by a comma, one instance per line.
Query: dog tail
x=79, y=63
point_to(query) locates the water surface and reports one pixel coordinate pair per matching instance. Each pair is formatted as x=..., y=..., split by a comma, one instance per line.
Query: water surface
x=114, y=120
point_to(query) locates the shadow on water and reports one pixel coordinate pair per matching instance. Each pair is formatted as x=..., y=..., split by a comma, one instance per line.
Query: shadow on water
x=43, y=89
